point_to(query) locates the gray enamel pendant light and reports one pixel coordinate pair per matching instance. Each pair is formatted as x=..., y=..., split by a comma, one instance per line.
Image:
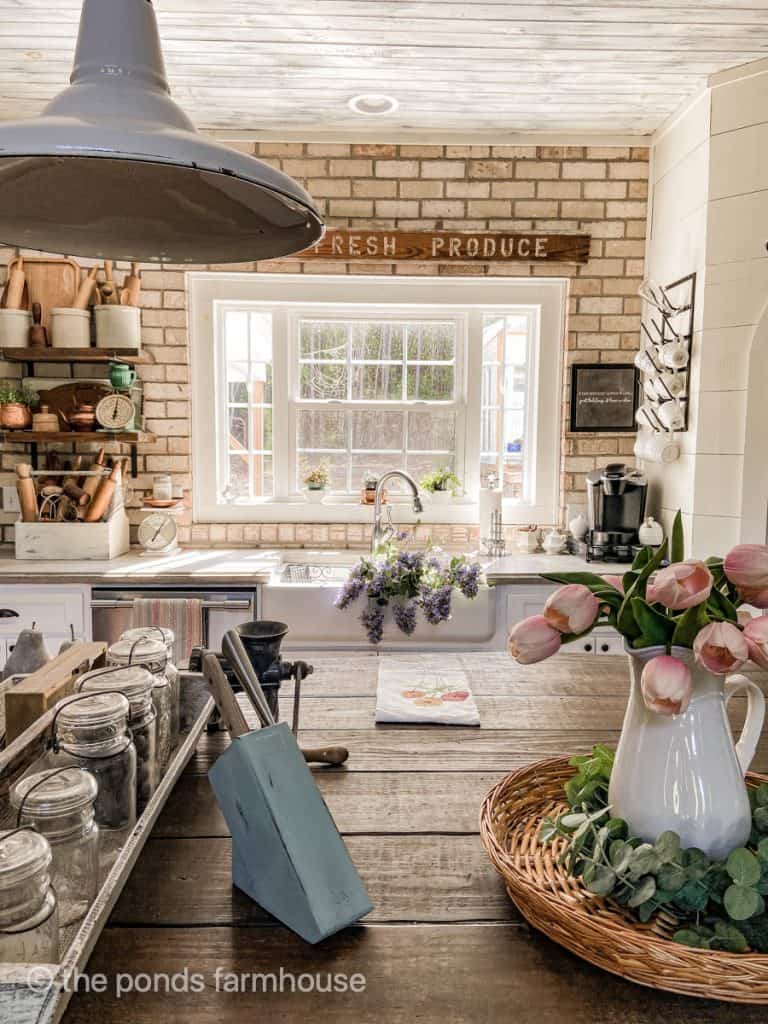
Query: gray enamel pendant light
x=114, y=168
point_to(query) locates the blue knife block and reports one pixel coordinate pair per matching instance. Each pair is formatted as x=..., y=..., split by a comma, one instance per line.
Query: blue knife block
x=287, y=853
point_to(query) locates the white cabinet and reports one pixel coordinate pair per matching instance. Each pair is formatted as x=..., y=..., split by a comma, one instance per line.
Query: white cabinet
x=52, y=608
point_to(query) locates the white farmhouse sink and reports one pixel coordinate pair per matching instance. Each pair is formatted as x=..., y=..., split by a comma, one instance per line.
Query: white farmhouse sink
x=303, y=589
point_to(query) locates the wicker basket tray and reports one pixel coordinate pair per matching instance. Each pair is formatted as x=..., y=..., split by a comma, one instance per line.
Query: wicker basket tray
x=597, y=929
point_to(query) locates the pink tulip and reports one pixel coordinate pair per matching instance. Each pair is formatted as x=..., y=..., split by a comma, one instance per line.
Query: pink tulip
x=572, y=609
x=721, y=648
x=757, y=596
x=615, y=581
x=666, y=685
x=533, y=640
x=680, y=586
x=746, y=566
x=756, y=635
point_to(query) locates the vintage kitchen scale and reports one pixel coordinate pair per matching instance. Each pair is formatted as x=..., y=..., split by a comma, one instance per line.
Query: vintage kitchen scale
x=158, y=534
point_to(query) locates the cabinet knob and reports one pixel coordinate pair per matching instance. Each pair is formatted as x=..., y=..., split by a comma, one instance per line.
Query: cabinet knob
x=587, y=647
x=605, y=648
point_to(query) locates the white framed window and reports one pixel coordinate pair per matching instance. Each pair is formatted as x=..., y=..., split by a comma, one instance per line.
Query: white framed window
x=366, y=374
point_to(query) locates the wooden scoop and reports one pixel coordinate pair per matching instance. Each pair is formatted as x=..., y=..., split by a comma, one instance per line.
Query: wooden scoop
x=109, y=288
x=38, y=336
x=131, y=287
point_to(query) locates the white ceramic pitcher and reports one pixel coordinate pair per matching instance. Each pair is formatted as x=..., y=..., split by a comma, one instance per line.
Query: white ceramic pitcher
x=683, y=772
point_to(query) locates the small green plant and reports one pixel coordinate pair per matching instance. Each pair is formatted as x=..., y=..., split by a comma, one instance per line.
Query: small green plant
x=318, y=477
x=720, y=904
x=440, y=480
x=14, y=392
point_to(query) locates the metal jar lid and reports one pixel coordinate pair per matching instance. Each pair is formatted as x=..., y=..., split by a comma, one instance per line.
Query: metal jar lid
x=22, y=855
x=153, y=632
x=100, y=709
x=52, y=793
x=145, y=650
x=134, y=681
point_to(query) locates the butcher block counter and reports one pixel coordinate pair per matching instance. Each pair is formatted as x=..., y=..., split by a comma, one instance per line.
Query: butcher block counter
x=443, y=944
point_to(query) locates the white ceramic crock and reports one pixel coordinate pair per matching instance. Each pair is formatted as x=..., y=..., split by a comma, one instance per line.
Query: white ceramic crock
x=683, y=772
x=14, y=328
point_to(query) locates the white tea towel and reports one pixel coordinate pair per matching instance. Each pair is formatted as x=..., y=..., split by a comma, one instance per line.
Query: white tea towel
x=424, y=688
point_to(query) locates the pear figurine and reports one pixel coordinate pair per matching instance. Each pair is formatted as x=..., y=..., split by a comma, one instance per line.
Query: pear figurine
x=30, y=653
x=68, y=643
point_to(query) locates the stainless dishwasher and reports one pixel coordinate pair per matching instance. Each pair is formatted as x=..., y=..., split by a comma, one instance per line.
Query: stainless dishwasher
x=112, y=609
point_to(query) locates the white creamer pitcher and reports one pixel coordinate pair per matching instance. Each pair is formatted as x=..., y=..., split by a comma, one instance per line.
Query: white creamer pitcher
x=683, y=772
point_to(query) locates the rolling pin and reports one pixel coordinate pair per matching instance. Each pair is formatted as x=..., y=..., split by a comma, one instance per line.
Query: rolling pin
x=85, y=290
x=90, y=484
x=27, y=491
x=109, y=288
x=100, y=502
x=16, y=282
x=131, y=287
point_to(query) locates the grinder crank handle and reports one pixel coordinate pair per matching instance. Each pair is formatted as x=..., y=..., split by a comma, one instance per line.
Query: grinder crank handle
x=326, y=755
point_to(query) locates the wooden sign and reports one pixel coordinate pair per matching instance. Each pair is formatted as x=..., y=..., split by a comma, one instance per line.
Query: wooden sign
x=603, y=397
x=448, y=247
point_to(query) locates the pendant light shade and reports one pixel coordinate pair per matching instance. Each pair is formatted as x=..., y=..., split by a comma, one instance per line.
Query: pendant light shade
x=114, y=168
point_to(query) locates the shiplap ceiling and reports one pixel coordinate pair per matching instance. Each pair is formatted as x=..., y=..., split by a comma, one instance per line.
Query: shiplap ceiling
x=458, y=69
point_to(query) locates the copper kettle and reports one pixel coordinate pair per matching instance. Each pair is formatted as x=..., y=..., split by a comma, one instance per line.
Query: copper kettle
x=82, y=417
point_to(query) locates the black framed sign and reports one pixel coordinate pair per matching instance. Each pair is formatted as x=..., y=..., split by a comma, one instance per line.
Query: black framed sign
x=603, y=397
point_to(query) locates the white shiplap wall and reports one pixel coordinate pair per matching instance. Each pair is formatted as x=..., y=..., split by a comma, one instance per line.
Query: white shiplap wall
x=458, y=69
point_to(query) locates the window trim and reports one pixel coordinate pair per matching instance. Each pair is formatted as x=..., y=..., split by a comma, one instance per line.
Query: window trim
x=209, y=292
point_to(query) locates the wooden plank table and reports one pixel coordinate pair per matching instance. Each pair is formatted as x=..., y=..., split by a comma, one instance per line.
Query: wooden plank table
x=443, y=944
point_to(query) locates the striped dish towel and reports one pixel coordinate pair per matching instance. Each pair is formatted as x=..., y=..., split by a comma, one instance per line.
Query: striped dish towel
x=424, y=688
x=183, y=616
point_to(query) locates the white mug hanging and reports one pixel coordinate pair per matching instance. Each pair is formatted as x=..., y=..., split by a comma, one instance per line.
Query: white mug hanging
x=644, y=362
x=674, y=355
x=673, y=384
x=657, y=448
x=649, y=389
x=671, y=415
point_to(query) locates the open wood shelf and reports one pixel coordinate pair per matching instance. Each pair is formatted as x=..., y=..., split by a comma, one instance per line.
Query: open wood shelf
x=43, y=436
x=132, y=356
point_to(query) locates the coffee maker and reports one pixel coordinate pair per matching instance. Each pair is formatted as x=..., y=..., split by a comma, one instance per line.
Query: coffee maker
x=616, y=498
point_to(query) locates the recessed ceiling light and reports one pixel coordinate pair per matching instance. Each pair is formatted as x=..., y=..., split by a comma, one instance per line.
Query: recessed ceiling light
x=373, y=104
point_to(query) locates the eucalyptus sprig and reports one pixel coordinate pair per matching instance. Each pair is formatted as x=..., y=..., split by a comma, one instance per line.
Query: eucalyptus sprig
x=720, y=904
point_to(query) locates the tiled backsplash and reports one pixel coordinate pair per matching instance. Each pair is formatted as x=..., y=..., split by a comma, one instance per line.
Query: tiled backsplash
x=601, y=191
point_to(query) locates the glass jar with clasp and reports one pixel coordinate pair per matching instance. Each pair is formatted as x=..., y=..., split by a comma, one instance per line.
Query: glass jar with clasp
x=91, y=731
x=29, y=915
x=171, y=673
x=59, y=804
x=136, y=684
x=151, y=653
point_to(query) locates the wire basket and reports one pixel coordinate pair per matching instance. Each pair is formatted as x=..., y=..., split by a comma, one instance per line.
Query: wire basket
x=597, y=929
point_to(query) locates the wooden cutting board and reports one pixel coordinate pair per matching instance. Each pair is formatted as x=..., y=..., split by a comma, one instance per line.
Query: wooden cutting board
x=66, y=397
x=51, y=282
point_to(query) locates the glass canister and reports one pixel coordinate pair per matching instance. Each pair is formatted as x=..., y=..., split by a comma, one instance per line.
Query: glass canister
x=136, y=683
x=151, y=654
x=59, y=804
x=29, y=916
x=172, y=674
x=91, y=731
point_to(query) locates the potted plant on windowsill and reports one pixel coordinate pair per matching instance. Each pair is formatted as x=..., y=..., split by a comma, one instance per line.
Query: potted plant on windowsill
x=441, y=485
x=316, y=482
x=15, y=402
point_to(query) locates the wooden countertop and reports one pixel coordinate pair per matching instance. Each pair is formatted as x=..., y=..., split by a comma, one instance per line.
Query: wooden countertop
x=444, y=945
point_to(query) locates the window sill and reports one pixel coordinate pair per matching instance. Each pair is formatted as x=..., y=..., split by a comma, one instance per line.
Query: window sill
x=460, y=512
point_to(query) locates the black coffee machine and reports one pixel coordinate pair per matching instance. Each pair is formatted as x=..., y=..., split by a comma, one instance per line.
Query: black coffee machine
x=616, y=498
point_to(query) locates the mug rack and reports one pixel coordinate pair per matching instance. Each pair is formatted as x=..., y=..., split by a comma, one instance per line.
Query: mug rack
x=665, y=358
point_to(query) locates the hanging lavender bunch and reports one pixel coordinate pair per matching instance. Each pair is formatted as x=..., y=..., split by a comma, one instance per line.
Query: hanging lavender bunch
x=404, y=615
x=373, y=621
x=436, y=604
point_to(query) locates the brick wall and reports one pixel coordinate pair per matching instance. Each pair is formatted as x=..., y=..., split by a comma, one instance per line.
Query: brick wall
x=595, y=190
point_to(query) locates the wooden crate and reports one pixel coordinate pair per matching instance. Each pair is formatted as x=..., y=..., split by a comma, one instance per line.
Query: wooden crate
x=45, y=1000
x=68, y=541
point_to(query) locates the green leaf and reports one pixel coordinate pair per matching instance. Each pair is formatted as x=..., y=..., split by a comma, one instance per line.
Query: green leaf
x=689, y=937
x=672, y=877
x=644, y=890
x=619, y=854
x=761, y=795
x=587, y=579
x=692, y=897
x=760, y=818
x=644, y=861
x=548, y=830
x=655, y=627
x=572, y=821
x=742, y=902
x=743, y=867
x=721, y=608
x=677, y=546
x=729, y=938
x=695, y=862
x=688, y=625
x=602, y=880
x=667, y=846
x=762, y=849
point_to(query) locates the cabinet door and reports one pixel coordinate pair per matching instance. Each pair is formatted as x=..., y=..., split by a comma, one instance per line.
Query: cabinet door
x=52, y=608
x=608, y=642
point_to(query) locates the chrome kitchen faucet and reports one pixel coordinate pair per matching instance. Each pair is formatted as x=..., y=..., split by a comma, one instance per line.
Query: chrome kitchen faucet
x=383, y=532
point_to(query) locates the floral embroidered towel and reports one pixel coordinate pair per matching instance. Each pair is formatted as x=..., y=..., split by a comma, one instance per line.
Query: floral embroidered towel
x=424, y=688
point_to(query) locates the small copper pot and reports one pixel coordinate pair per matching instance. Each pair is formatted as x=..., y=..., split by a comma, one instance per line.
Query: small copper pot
x=15, y=416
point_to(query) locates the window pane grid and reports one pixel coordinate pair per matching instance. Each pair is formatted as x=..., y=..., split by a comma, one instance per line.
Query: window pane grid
x=504, y=403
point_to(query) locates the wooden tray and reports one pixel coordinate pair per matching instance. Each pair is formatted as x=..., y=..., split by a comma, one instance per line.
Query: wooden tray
x=597, y=930
x=52, y=282
x=45, y=1001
